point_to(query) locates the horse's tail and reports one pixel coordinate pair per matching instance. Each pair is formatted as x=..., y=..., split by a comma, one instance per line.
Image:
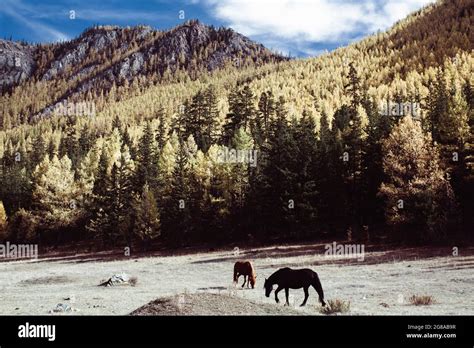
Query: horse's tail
x=319, y=288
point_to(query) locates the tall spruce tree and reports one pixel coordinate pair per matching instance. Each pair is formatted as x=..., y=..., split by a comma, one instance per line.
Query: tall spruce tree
x=147, y=162
x=176, y=218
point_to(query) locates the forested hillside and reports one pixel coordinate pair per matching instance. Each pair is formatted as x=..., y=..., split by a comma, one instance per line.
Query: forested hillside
x=200, y=135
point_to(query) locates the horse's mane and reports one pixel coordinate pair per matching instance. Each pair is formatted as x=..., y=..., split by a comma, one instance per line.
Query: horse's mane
x=275, y=274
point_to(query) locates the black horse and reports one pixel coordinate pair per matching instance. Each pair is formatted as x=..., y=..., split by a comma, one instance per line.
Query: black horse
x=287, y=278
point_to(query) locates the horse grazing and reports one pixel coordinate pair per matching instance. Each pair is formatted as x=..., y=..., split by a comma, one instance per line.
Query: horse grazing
x=246, y=269
x=287, y=278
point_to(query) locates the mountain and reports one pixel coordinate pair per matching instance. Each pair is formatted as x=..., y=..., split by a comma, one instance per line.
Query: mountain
x=104, y=56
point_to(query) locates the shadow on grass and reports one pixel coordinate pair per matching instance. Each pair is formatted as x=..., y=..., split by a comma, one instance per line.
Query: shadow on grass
x=373, y=254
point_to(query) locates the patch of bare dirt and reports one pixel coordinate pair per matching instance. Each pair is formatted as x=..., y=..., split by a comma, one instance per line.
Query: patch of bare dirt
x=211, y=304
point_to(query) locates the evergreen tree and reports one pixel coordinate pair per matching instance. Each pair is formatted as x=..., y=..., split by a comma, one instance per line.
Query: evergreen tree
x=85, y=141
x=100, y=182
x=437, y=103
x=264, y=117
x=147, y=166
x=211, y=113
x=195, y=118
x=112, y=219
x=38, y=150
x=353, y=87
x=333, y=205
x=351, y=126
x=117, y=123
x=69, y=143
x=176, y=219
x=277, y=180
x=378, y=129
x=306, y=194
x=161, y=132
x=241, y=112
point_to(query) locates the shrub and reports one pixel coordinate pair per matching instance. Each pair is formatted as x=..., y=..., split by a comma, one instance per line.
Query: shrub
x=421, y=300
x=133, y=281
x=336, y=306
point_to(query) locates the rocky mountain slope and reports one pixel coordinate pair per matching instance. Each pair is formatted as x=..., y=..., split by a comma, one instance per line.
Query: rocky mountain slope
x=16, y=62
x=104, y=56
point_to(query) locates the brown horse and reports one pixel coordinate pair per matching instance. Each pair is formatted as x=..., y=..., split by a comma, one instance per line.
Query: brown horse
x=246, y=269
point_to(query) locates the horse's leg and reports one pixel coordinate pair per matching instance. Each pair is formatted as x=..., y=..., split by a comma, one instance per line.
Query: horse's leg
x=287, y=293
x=276, y=293
x=245, y=279
x=306, y=294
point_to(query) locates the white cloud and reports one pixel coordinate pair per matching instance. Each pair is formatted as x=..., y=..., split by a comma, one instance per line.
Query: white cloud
x=311, y=21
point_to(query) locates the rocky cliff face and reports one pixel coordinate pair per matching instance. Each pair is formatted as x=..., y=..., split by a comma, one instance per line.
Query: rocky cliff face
x=108, y=54
x=16, y=63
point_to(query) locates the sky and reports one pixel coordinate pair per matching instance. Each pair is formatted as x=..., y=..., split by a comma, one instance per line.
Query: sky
x=299, y=28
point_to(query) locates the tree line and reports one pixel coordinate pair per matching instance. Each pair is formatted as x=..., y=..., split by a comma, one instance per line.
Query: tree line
x=356, y=173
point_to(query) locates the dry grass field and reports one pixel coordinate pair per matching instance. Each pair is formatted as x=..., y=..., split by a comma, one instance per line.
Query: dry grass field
x=200, y=283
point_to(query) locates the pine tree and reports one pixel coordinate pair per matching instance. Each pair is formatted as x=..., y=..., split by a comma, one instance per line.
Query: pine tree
x=333, y=205
x=247, y=104
x=176, y=219
x=201, y=208
x=195, y=118
x=85, y=141
x=306, y=192
x=147, y=166
x=264, y=117
x=100, y=182
x=69, y=144
x=353, y=87
x=351, y=121
x=117, y=123
x=113, y=195
x=39, y=150
x=124, y=191
x=378, y=129
x=241, y=112
x=15, y=188
x=211, y=113
x=437, y=105
x=161, y=132
x=277, y=180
